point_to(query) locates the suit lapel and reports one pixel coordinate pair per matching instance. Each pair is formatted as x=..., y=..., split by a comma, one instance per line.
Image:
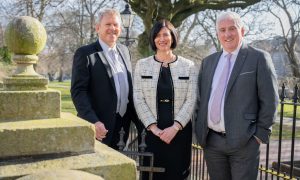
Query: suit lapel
x=126, y=62
x=211, y=68
x=237, y=68
x=105, y=63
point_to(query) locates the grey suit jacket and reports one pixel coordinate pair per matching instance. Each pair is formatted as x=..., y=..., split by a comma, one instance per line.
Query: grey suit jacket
x=250, y=101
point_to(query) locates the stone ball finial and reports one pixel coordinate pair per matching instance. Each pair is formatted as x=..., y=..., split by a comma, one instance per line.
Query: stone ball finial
x=25, y=35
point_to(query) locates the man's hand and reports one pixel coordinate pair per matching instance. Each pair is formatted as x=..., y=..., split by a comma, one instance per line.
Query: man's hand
x=258, y=140
x=101, y=131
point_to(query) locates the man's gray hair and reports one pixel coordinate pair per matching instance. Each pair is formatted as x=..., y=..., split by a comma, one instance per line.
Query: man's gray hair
x=108, y=11
x=230, y=15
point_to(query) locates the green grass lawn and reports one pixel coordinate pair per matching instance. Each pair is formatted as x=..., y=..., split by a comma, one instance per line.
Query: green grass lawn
x=286, y=132
x=66, y=101
x=288, y=110
x=67, y=106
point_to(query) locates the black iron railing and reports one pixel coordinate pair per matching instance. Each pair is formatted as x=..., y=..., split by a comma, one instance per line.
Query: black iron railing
x=137, y=152
x=283, y=148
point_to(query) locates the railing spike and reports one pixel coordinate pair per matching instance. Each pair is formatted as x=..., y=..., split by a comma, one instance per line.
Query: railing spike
x=121, y=143
x=295, y=96
x=283, y=93
x=143, y=144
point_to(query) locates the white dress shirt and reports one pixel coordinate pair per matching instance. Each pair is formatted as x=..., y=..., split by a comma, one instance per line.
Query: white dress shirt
x=117, y=66
x=220, y=127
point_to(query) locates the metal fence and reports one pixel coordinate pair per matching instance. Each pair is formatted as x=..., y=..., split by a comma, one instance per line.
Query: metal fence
x=280, y=159
x=198, y=166
x=137, y=152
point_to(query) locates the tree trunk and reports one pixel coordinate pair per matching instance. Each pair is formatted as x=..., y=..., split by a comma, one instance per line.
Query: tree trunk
x=192, y=26
x=61, y=75
x=143, y=45
x=294, y=61
x=51, y=77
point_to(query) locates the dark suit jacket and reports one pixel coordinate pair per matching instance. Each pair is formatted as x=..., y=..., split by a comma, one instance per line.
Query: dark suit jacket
x=250, y=101
x=93, y=89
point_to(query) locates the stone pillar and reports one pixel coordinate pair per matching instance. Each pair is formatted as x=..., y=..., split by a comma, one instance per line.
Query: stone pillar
x=34, y=135
x=25, y=37
x=25, y=94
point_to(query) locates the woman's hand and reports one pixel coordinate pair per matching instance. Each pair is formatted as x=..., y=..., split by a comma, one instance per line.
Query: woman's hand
x=169, y=133
x=155, y=130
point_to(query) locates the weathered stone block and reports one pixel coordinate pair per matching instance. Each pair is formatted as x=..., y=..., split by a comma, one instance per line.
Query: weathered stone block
x=67, y=135
x=61, y=175
x=105, y=162
x=20, y=83
x=23, y=105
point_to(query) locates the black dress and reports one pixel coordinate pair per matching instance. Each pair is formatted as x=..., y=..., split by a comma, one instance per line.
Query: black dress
x=176, y=156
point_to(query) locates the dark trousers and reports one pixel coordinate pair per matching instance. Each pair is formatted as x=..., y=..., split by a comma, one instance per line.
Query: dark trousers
x=225, y=163
x=174, y=157
x=116, y=136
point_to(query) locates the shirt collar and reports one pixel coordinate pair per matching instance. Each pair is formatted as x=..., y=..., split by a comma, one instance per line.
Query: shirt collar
x=105, y=47
x=234, y=53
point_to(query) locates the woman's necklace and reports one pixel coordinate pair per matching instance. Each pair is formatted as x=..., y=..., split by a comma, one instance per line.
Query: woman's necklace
x=166, y=61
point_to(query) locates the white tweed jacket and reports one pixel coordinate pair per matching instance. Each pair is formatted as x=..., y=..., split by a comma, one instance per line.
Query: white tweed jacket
x=184, y=76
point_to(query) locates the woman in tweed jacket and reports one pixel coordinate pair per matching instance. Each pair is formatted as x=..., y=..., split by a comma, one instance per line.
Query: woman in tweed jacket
x=164, y=97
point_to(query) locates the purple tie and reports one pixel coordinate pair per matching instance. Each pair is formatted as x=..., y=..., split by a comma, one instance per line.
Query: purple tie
x=215, y=112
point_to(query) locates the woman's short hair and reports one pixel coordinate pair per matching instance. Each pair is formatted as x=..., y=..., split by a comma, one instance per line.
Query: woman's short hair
x=157, y=27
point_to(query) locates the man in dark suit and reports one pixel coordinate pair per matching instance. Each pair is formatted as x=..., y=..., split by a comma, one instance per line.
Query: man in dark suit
x=101, y=86
x=237, y=103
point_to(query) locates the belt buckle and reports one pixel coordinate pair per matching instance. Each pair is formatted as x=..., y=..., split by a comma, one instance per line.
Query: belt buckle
x=165, y=100
x=222, y=134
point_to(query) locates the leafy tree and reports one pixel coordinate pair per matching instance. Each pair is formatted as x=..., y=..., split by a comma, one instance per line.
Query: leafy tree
x=5, y=55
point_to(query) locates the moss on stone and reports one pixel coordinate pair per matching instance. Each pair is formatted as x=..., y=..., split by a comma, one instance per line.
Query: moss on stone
x=105, y=162
x=68, y=134
x=61, y=175
x=25, y=83
x=23, y=105
x=25, y=35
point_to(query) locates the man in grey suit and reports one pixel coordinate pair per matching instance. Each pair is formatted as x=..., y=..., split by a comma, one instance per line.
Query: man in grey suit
x=237, y=103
